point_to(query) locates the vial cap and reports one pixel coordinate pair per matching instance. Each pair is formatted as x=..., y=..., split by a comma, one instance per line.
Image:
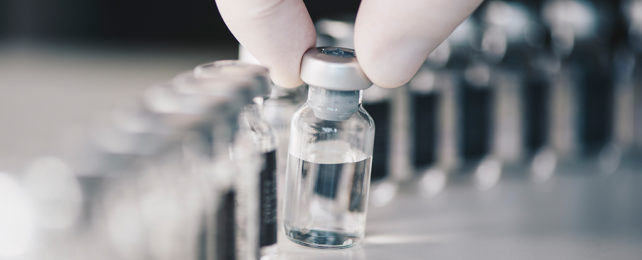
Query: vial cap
x=333, y=68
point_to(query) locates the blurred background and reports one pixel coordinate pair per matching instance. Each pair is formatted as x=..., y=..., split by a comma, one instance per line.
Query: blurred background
x=545, y=96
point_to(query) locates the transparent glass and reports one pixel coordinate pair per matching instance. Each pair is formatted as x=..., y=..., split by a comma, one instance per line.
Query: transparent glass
x=328, y=176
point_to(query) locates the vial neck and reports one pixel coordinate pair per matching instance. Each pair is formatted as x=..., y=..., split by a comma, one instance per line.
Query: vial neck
x=333, y=105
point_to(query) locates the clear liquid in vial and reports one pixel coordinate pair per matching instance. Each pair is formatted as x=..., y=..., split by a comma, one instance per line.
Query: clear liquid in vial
x=327, y=196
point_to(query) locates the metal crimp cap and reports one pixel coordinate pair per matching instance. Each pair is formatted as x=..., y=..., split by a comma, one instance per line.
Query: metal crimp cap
x=333, y=68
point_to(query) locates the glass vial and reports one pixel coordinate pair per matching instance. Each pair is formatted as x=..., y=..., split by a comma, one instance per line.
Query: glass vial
x=255, y=140
x=258, y=131
x=330, y=154
x=206, y=154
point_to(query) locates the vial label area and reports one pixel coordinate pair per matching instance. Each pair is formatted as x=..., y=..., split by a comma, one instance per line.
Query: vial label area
x=267, y=230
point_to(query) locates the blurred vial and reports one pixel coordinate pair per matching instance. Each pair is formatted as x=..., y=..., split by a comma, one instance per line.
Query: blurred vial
x=332, y=136
x=168, y=192
x=523, y=81
x=449, y=150
x=611, y=156
x=564, y=114
x=476, y=97
x=260, y=135
x=511, y=41
x=580, y=33
x=207, y=153
x=255, y=138
x=536, y=94
x=508, y=112
x=479, y=121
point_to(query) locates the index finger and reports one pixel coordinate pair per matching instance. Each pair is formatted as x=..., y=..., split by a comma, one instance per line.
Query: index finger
x=392, y=39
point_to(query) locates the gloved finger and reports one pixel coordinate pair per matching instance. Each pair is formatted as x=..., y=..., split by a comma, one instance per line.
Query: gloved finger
x=276, y=32
x=393, y=38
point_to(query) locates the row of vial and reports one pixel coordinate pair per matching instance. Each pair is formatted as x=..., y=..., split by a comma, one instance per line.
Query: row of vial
x=188, y=172
x=197, y=170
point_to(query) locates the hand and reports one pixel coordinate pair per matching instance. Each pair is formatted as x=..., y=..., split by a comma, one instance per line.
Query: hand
x=392, y=38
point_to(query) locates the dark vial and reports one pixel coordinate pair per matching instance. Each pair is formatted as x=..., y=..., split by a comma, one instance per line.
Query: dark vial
x=268, y=200
x=536, y=106
x=425, y=123
x=476, y=101
x=596, y=101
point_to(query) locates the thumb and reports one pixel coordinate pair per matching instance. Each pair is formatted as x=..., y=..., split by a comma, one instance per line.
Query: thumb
x=392, y=39
x=276, y=32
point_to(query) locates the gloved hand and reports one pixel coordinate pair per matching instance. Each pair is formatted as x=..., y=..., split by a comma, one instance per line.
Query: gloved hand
x=392, y=38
